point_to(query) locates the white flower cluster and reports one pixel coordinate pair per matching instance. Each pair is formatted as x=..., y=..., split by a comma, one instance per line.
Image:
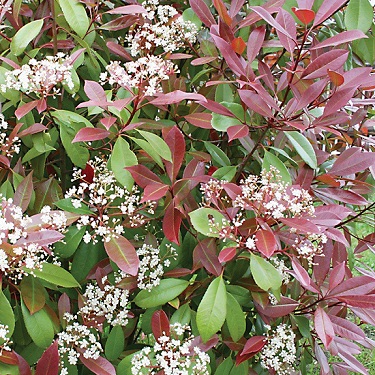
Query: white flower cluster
x=109, y=203
x=109, y=303
x=279, y=354
x=268, y=195
x=4, y=338
x=282, y=268
x=77, y=339
x=145, y=73
x=40, y=77
x=151, y=266
x=163, y=27
x=171, y=355
x=8, y=146
x=310, y=246
x=19, y=255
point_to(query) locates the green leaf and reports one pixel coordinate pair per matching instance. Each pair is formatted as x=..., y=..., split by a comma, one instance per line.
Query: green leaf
x=115, y=343
x=6, y=313
x=225, y=367
x=189, y=15
x=39, y=326
x=272, y=160
x=167, y=290
x=33, y=293
x=182, y=315
x=70, y=123
x=212, y=310
x=218, y=155
x=225, y=173
x=158, y=144
x=264, y=273
x=235, y=318
x=75, y=15
x=72, y=239
x=200, y=221
x=303, y=148
x=359, y=15
x=24, y=36
x=144, y=145
x=222, y=123
x=66, y=205
x=122, y=157
x=56, y=275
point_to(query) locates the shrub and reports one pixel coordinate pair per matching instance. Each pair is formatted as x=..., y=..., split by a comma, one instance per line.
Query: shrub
x=178, y=186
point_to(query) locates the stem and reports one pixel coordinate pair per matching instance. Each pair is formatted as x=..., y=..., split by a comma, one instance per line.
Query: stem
x=249, y=155
x=54, y=28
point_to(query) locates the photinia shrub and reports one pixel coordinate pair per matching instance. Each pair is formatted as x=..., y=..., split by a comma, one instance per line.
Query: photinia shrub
x=180, y=183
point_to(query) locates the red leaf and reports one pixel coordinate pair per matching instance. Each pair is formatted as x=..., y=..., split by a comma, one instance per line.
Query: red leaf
x=119, y=50
x=236, y=63
x=334, y=60
x=337, y=275
x=123, y=253
x=255, y=103
x=238, y=45
x=48, y=363
x=201, y=9
x=359, y=285
x=42, y=238
x=63, y=305
x=227, y=254
x=352, y=362
x=10, y=62
x=303, y=277
x=153, y=192
x=286, y=20
x=254, y=43
x=42, y=105
x=323, y=327
x=33, y=129
x=9, y=358
x=263, y=13
x=90, y=134
x=95, y=92
x=301, y=224
x=341, y=195
x=346, y=329
x=237, y=131
x=222, y=11
x=364, y=301
x=327, y=9
x=253, y=346
x=352, y=161
x=128, y=9
x=176, y=97
x=336, y=78
x=172, y=223
x=266, y=242
x=205, y=253
x=108, y=121
x=176, y=143
x=24, y=191
x=160, y=324
x=284, y=307
x=304, y=15
x=216, y=107
x=23, y=366
x=143, y=176
x=343, y=37
x=26, y=108
x=203, y=60
x=99, y=366
x=201, y=120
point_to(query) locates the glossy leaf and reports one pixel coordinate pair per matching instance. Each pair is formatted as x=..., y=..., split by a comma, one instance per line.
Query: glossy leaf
x=212, y=309
x=323, y=327
x=235, y=318
x=24, y=36
x=160, y=324
x=33, y=294
x=56, y=275
x=166, y=291
x=75, y=15
x=358, y=15
x=265, y=275
x=303, y=148
x=123, y=253
x=49, y=362
x=115, y=343
x=6, y=313
x=200, y=221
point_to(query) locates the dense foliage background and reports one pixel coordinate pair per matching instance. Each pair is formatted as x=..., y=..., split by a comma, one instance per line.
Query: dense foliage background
x=181, y=186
